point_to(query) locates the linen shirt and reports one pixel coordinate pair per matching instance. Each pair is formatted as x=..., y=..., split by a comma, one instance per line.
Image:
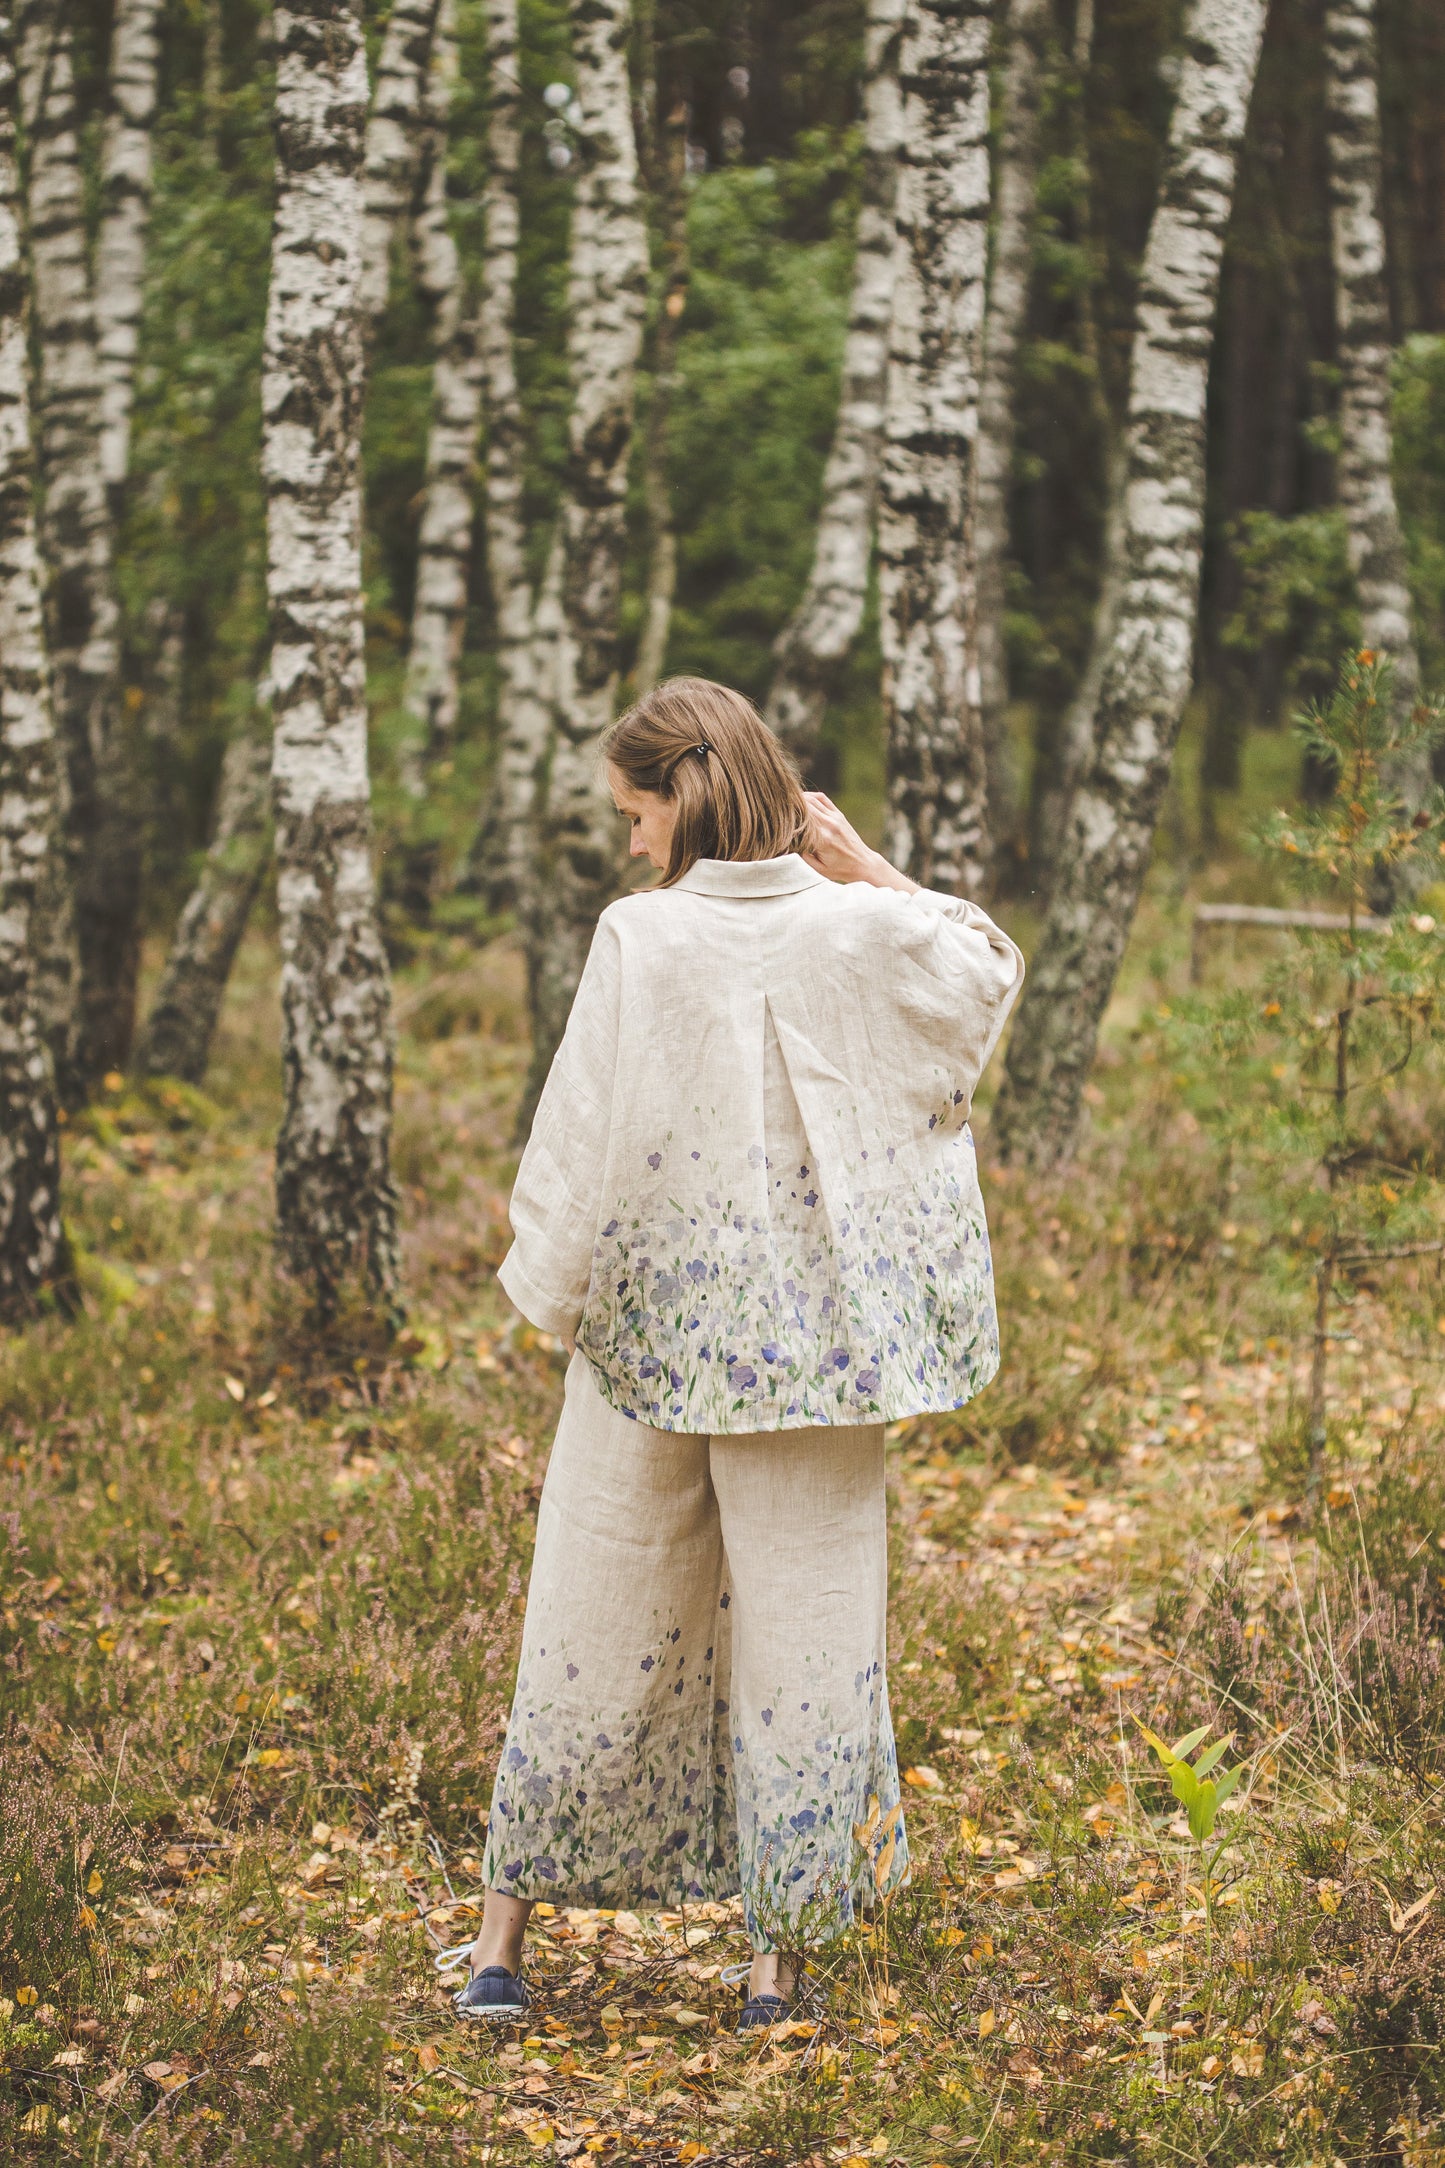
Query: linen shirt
x=750, y=1190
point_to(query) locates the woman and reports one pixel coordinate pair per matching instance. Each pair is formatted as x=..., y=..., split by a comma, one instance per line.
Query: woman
x=750, y=1200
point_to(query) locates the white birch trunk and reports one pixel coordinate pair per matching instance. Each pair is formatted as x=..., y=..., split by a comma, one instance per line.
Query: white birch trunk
x=32, y=1240
x=501, y=857
x=937, y=828
x=578, y=864
x=176, y=1040
x=438, y=263
x=670, y=145
x=125, y=187
x=1365, y=355
x=438, y=620
x=395, y=130
x=335, y=1202
x=1016, y=173
x=817, y=637
x=1147, y=676
x=102, y=862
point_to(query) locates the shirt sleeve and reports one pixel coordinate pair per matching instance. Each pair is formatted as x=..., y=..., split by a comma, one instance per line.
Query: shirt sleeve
x=978, y=968
x=558, y=1190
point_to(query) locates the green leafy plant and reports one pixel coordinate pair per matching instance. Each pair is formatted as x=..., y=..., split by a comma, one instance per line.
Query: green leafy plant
x=1201, y=1794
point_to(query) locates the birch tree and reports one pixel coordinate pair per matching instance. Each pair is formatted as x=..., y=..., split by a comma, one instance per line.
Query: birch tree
x=937, y=826
x=125, y=186
x=1147, y=676
x=817, y=637
x=1016, y=174
x=32, y=1241
x=1364, y=353
x=578, y=853
x=176, y=1040
x=501, y=856
x=438, y=622
x=335, y=1201
x=102, y=867
x=669, y=191
x=395, y=133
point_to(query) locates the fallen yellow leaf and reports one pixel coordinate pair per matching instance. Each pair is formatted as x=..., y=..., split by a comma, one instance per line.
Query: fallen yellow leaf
x=95, y=1884
x=1328, y=1896
x=539, y=2134
x=985, y=2023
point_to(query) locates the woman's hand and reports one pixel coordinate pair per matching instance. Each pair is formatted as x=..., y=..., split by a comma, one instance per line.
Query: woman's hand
x=839, y=852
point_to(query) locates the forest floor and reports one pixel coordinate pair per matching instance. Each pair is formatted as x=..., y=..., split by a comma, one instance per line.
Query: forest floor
x=259, y=1605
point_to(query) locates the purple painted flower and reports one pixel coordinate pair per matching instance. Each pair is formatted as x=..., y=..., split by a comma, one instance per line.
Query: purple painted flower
x=811, y=1199
x=744, y=1377
x=866, y=1381
x=675, y=1380
x=666, y=1286
x=611, y=1227
x=767, y=1716
x=771, y=1352
x=546, y=1867
x=697, y=1270
x=654, y=1160
x=571, y=1671
x=836, y=1359
x=649, y=1367
x=697, y=1155
x=648, y=1663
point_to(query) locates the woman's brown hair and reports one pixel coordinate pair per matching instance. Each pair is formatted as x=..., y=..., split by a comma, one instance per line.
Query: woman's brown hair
x=738, y=793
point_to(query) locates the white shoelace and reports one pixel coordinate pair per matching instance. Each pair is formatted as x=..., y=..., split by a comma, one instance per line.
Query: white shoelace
x=449, y=1960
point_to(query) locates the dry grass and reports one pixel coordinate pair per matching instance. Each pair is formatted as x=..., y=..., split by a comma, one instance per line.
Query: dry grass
x=259, y=1602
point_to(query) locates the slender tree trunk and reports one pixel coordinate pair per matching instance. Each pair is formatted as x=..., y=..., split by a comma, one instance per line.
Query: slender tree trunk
x=501, y=856
x=814, y=643
x=125, y=211
x=32, y=1240
x=177, y=1037
x=438, y=621
x=104, y=826
x=1146, y=679
x=1365, y=354
x=335, y=1201
x=578, y=855
x=670, y=193
x=937, y=796
x=438, y=263
x=395, y=132
x=1015, y=196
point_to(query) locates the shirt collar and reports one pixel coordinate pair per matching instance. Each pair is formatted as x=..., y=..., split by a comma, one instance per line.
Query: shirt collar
x=749, y=876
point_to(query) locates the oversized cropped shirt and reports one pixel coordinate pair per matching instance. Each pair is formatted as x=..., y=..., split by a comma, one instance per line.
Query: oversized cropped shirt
x=750, y=1190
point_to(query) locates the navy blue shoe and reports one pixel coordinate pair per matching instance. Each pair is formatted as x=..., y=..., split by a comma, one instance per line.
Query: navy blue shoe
x=756, y=2010
x=492, y=1996
x=761, y=2010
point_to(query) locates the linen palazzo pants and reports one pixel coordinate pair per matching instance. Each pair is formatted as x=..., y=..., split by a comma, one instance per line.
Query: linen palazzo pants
x=701, y=1702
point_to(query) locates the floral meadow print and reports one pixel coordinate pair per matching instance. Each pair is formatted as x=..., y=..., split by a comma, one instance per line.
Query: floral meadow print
x=751, y=1190
x=667, y=1744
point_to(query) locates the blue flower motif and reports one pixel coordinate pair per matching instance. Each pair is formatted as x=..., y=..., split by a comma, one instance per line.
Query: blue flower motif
x=811, y=1199
x=654, y=1160
x=697, y=1269
x=610, y=1228
x=743, y=1377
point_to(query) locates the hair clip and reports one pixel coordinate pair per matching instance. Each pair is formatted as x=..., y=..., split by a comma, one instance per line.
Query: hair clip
x=701, y=746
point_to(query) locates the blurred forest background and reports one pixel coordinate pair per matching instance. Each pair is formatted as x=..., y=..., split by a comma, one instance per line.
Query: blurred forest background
x=773, y=175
